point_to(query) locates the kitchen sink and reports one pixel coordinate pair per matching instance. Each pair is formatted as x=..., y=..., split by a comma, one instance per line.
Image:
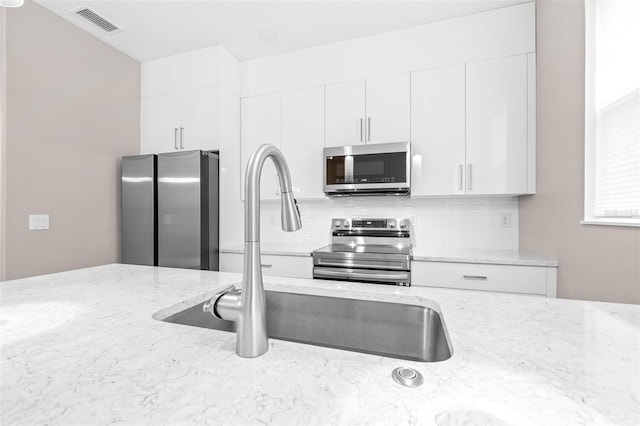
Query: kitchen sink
x=395, y=330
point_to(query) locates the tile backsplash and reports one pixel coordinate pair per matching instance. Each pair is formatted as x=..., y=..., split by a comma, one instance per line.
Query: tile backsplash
x=438, y=223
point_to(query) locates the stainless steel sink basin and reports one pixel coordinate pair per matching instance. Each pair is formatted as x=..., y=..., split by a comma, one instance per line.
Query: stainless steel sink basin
x=396, y=330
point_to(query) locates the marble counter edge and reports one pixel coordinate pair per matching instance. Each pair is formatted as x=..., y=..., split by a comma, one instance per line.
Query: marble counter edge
x=486, y=260
x=516, y=257
x=272, y=251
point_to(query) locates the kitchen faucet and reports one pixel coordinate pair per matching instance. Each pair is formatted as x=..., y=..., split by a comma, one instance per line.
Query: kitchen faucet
x=247, y=307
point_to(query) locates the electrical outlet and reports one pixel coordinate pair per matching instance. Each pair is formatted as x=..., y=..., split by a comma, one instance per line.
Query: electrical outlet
x=38, y=222
x=505, y=220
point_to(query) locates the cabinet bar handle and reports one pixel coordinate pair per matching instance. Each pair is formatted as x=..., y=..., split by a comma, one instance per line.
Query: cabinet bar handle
x=474, y=277
x=266, y=265
x=470, y=178
x=361, y=125
x=175, y=137
x=460, y=179
x=181, y=137
x=369, y=128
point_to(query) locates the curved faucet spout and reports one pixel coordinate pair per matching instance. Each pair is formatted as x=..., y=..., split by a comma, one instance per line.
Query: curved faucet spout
x=251, y=314
x=290, y=213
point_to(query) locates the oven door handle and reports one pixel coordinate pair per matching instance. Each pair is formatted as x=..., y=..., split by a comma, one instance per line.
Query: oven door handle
x=367, y=275
x=361, y=263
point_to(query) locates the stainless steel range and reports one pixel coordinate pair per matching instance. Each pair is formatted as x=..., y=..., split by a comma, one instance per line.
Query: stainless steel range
x=368, y=250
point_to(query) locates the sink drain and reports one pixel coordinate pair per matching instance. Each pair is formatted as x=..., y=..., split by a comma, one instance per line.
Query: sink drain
x=408, y=377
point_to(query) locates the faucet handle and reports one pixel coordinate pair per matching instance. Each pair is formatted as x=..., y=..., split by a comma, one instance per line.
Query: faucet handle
x=210, y=305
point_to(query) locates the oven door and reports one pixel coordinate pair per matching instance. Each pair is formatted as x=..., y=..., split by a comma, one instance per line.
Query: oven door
x=383, y=261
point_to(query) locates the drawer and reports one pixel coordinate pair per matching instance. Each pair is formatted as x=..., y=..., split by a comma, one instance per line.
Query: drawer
x=281, y=266
x=470, y=276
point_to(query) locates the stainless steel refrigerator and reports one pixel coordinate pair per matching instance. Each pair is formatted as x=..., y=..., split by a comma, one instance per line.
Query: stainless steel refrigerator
x=139, y=210
x=185, y=211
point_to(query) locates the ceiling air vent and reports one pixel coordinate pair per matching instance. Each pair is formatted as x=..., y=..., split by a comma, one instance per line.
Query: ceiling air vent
x=97, y=20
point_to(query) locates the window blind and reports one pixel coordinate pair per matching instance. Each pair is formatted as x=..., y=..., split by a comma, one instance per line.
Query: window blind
x=613, y=107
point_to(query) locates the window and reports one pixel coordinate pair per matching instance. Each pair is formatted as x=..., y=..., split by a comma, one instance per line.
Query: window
x=612, y=112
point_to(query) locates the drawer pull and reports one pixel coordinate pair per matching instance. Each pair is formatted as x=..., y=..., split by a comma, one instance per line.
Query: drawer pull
x=474, y=277
x=266, y=265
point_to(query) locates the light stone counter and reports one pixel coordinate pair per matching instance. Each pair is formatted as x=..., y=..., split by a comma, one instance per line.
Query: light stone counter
x=81, y=348
x=488, y=256
x=277, y=249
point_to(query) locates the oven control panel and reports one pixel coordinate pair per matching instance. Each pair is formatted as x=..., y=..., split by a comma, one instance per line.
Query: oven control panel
x=372, y=224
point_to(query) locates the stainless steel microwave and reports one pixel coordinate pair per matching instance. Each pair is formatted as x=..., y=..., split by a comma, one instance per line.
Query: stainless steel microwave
x=373, y=169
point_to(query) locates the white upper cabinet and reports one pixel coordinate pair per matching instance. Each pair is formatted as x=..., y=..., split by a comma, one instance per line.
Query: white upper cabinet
x=200, y=119
x=180, y=121
x=345, y=109
x=388, y=108
x=294, y=122
x=473, y=128
x=302, y=140
x=160, y=124
x=211, y=66
x=375, y=110
x=260, y=124
x=438, y=131
x=181, y=100
x=497, y=126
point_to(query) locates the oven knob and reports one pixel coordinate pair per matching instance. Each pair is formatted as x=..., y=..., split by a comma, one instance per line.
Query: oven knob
x=337, y=223
x=403, y=224
x=392, y=224
x=346, y=224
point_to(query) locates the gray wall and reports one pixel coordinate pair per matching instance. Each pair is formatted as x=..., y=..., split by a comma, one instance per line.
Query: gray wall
x=596, y=262
x=72, y=111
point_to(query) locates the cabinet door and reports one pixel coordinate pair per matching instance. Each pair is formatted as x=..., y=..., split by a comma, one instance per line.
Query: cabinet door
x=159, y=124
x=303, y=139
x=388, y=109
x=473, y=276
x=437, y=131
x=497, y=126
x=281, y=266
x=345, y=113
x=260, y=124
x=200, y=119
x=182, y=72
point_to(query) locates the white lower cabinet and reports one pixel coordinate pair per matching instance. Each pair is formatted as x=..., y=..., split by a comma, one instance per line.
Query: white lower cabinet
x=535, y=280
x=272, y=265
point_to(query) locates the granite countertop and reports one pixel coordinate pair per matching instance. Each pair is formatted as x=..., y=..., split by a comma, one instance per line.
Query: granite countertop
x=277, y=249
x=81, y=347
x=488, y=256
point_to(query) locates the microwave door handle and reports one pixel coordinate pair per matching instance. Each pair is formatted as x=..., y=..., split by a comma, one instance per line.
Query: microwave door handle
x=348, y=169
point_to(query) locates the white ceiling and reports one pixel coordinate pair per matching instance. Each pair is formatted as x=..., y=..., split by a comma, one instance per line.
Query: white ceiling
x=157, y=28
